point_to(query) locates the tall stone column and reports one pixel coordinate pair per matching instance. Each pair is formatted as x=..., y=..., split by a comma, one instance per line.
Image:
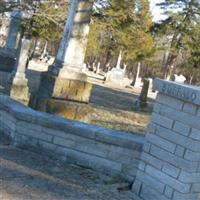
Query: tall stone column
x=11, y=40
x=65, y=79
x=18, y=83
x=71, y=53
x=137, y=78
x=119, y=60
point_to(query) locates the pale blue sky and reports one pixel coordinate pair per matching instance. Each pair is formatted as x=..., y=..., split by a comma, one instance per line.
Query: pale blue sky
x=156, y=11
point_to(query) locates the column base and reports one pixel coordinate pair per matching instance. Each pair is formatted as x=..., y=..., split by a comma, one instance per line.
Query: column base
x=65, y=88
x=63, y=70
x=20, y=93
x=17, y=88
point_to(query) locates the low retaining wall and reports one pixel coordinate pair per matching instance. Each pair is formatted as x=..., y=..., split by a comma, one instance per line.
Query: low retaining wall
x=102, y=149
x=170, y=162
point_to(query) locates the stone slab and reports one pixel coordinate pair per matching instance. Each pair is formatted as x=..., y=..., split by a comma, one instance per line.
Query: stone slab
x=183, y=92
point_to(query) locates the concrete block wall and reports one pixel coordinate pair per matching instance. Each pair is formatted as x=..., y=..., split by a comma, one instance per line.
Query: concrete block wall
x=170, y=162
x=102, y=149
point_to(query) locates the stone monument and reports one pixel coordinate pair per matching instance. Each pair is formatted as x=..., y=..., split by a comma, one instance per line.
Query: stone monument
x=8, y=53
x=170, y=162
x=141, y=102
x=18, y=83
x=116, y=75
x=179, y=78
x=11, y=41
x=65, y=79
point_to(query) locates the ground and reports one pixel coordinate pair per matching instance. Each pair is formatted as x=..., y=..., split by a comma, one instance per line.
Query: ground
x=26, y=175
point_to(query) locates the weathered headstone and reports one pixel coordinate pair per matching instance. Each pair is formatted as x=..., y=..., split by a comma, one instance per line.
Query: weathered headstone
x=179, y=78
x=170, y=162
x=116, y=75
x=141, y=102
x=18, y=83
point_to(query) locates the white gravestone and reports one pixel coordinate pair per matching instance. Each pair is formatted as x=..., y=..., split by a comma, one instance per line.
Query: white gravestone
x=179, y=78
x=18, y=83
x=116, y=75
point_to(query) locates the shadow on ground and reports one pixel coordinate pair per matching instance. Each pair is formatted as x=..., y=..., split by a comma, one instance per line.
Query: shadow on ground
x=114, y=99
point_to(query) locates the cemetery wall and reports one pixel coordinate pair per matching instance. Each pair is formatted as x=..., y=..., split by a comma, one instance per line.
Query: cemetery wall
x=102, y=149
x=170, y=161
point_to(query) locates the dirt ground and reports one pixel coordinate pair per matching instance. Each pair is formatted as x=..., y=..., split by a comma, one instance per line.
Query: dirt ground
x=26, y=175
x=117, y=109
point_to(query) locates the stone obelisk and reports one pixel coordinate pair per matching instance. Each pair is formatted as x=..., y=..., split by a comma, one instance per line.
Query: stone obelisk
x=119, y=60
x=65, y=79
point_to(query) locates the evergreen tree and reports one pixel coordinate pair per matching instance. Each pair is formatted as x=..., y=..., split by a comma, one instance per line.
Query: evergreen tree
x=123, y=25
x=182, y=15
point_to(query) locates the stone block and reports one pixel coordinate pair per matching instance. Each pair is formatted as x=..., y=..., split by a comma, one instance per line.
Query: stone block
x=152, y=127
x=64, y=142
x=136, y=187
x=190, y=108
x=151, y=181
x=169, y=192
x=162, y=143
x=173, y=159
x=178, y=91
x=33, y=133
x=92, y=161
x=192, y=156
x=195, y=134
x=157, y=107
x=162, y=120
x=168, y=180
x=29, y=126
x=181, y=128
x=112, y=155
x=47, y=146
x=189, y=196
x=72, y=90
x=169, y=101
x=181, y=140
x=180, y=116
x=141, y=165
x=187, y=177
x=146, y=147
x=171, y=170
x=148, y=193
x=195, y=188
x=93, y=149
x=180, y=151
x=147, y=158
x=20, y=93
x=130, y=169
